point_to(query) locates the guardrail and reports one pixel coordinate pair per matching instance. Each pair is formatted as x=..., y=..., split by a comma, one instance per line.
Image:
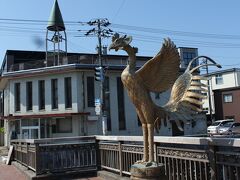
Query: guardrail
x=184, y=158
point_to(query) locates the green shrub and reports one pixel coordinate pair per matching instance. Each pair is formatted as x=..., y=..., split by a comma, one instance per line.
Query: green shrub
x=2, y=130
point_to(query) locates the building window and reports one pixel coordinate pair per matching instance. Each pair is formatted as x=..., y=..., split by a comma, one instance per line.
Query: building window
x=219, y=79
x=54, y=93
x=1, y=102
x=121, y=107
x=107, y=103
x=90, y=91
x=41, y=94
x=227, y=98
x=17, y=93
x=63, y=125
x=29, y=98
x=68, y=92
x=187, y=57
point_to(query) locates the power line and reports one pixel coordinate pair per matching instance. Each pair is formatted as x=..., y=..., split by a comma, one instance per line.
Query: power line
x=129, y=27
x=142, y=37
x=37, y=21
x=117, y=12
x=179, y=33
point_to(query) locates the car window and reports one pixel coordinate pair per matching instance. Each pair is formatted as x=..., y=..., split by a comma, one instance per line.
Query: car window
x=215, y=123
x=236, y=125
x=227, y=124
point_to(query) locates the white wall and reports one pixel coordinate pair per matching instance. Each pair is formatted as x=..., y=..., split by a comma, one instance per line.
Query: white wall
x=48, y=106
x=230, y=79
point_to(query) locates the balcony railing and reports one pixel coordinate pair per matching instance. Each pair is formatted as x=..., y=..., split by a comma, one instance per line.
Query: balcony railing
x=64, y=60
x=193, y=158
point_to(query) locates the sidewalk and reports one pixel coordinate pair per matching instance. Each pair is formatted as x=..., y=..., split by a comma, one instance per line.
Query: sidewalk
x=9, y=172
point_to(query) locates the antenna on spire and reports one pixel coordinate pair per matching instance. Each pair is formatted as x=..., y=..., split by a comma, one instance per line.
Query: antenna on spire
x=55, y=36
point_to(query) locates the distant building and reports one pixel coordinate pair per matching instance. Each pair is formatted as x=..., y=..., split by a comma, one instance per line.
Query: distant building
x=186, y=55
x=220, y=82
x=227, y=102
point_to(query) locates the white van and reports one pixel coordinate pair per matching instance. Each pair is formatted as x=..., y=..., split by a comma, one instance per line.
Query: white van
x=213, y=129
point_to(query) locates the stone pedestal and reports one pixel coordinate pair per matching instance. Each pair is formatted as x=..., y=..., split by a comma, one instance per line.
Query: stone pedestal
x=148, y=171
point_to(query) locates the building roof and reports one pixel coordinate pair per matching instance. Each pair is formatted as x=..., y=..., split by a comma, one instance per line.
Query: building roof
x=228, y=89
x=37, y=59
x=32, y=63
x=25, y=55
x=223, y=71
x=187, y=48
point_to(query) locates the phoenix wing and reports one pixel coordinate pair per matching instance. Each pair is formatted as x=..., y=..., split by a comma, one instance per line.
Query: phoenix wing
x=186, y=95
x=160, y=72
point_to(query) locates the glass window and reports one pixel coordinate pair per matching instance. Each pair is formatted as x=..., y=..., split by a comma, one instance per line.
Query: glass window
x=29, y=122
x=107, y=103
x=54, y=93
x=68, y=92
x=90, y=92
x=17, y=92
x=1, y=102
x=41, y=94
x=228, y=124
x=219, y=79
x=29, y=100
x=187, y=57
x=227, y=98
x=121, y=107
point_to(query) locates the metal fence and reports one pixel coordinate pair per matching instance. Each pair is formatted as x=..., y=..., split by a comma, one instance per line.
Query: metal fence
x=57, y=155
x=64, y=60
x=184, y=158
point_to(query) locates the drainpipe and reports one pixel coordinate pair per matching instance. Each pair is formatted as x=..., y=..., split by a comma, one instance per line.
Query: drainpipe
x=84, y=125
x=235, y=79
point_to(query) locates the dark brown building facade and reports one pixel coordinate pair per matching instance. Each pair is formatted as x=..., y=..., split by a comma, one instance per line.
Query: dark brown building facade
x=227, y=103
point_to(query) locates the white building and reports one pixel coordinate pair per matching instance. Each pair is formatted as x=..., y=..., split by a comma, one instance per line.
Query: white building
x=57, y=101
x=223, y=79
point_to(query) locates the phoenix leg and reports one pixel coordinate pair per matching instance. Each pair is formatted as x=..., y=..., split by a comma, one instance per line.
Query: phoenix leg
x=145, y=143
x=150, y=128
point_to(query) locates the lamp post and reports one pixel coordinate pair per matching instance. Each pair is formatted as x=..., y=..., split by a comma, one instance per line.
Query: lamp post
x=209, y=91
x=209, y=94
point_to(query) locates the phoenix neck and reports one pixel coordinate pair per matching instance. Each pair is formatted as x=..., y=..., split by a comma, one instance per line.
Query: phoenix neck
x=131, y=51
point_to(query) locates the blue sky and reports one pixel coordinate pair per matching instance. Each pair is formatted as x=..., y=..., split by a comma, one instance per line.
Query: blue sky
x=211, y=26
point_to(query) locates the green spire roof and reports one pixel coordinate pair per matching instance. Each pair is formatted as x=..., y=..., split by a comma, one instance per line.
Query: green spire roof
x=55, y=21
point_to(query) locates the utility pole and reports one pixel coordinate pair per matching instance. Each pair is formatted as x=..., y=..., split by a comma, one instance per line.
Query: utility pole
x=209, y=95
x=100, y=30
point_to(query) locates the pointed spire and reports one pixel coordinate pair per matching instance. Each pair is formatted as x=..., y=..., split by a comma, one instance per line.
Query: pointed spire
x=55, y=21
